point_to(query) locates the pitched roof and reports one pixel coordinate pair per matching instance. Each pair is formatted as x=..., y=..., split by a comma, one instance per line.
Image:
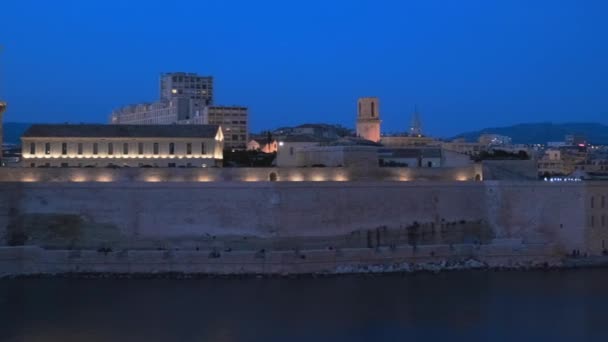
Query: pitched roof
x=120, y=131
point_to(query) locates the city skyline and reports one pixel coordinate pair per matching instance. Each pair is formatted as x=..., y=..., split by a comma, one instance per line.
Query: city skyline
x=466, y=66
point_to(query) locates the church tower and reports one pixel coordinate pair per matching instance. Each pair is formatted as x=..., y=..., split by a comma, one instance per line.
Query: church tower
x=368, y=118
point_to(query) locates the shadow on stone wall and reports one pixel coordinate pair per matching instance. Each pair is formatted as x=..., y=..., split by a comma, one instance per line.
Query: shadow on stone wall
x=60, y=231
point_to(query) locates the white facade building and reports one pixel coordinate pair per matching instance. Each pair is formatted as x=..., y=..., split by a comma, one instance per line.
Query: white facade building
x=92, y=145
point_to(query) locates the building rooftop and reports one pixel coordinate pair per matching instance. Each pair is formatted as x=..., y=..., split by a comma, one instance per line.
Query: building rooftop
x=411, y=152
x=120, y=131
x=304, y=138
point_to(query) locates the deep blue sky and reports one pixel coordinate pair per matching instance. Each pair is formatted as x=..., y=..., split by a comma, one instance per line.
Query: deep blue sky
x=468, y=64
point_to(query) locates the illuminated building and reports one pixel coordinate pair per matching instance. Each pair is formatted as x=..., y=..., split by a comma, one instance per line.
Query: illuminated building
x=187, y=99
x=368, y=118
x=93, y=145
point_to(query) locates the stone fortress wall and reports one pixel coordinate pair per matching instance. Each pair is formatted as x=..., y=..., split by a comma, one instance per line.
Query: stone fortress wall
x=214, y=174
x=291, y=216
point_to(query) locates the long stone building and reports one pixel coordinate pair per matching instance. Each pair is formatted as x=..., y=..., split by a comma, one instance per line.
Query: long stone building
x=93, y=145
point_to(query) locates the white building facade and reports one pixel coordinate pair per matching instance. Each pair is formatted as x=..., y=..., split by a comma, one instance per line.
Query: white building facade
x=122, y=146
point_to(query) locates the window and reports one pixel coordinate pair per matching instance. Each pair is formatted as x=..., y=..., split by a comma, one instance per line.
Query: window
x=79, y=148
x=140, y=148
x=125, y=148
x=291, y=151
x=188, y=148
x=171, y=148
x=47, y=148
x=32, y=148
x=64, y=148
x=110, y=148
x=592, y=201
x=95, y=148
x=603, y=201
x=155, y=148
x=171, y=165
x=373, y=109
x=203, y=148
x=603, y=221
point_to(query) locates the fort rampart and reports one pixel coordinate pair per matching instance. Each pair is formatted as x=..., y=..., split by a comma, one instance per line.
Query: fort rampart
x=293, y=216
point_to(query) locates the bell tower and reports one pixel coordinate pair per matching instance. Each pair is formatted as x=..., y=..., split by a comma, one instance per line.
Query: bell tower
x=368, y=118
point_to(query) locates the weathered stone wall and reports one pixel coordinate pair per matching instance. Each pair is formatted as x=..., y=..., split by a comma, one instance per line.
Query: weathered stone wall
x=34, y=260
x=300, y=214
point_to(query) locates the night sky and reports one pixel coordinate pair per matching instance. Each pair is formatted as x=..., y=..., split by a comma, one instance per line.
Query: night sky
x=467, y=64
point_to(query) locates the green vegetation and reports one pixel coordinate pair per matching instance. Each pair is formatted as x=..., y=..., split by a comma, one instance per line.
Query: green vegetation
x=248, y=159
x=502, y=155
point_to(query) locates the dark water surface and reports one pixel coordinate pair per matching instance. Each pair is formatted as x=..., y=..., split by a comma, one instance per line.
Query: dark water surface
x=473, y=306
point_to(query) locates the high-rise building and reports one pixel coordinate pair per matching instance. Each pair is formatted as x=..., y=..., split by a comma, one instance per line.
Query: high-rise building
x=233, y=120
x=368, y=118
x=187, y=98
x=180, y=84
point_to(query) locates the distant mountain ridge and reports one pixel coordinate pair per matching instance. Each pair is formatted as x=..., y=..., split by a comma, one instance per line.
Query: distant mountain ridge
x=529, y=133
x=543, y=132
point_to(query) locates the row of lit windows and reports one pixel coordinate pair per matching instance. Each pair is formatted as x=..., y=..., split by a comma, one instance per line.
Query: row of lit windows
x=110, y=148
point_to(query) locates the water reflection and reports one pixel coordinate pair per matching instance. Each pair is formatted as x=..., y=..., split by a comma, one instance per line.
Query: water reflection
x=565, y=305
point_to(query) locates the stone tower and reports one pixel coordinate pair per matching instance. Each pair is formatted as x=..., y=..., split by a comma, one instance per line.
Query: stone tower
x=368, y=118
x=2, y=109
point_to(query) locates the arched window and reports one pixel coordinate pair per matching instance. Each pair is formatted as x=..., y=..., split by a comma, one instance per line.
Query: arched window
x=373, y=109
x=272, y=177
x=171, y=148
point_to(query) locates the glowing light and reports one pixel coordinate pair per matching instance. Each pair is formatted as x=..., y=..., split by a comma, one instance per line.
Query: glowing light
x=78, y=178
x=104, y=178
x=318, y=178
x=174, y=91
x=296, y=178
x=153, y=179
x=461, y=178
x=204, y=179
x=340, y=178
x=281, y=143
x=29, y=179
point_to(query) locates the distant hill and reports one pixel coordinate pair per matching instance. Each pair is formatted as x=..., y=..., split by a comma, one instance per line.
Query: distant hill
x=541, y=133
x=13, y=131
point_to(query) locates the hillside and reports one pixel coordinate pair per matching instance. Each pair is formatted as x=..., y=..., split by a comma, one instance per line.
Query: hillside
x=540, y=133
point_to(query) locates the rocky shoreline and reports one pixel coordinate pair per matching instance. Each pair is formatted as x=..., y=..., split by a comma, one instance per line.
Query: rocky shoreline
x=404, y=268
